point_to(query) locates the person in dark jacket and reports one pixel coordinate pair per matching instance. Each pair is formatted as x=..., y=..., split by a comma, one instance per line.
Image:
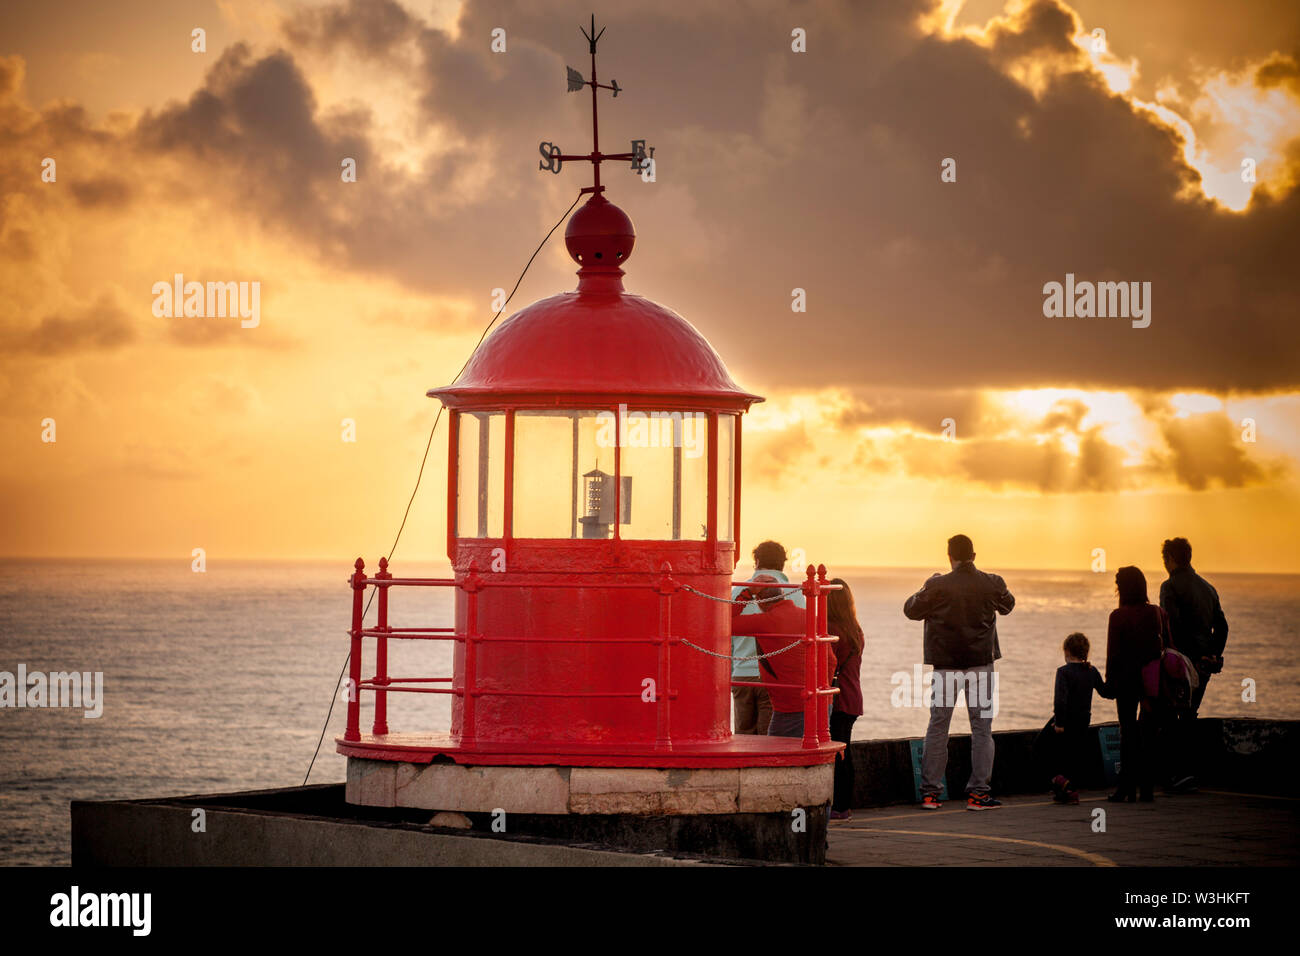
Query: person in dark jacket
x=1137, y=635
x=842, y=622
x=1197, y=628
x=1076, y=679
x=961, y=642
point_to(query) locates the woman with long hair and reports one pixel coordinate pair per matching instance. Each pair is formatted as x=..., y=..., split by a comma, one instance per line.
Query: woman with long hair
x=842, y=622
x=1138, y=634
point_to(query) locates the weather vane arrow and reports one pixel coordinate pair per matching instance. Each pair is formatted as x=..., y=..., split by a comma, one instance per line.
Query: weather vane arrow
x=553, y=158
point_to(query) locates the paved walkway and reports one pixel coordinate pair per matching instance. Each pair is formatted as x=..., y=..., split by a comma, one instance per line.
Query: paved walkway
x=1208, y=828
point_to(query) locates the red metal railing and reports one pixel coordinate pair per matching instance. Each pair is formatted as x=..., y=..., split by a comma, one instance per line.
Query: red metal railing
x=816, y=727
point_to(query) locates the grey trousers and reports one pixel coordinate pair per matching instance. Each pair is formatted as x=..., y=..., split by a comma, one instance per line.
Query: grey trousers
x=978, y=684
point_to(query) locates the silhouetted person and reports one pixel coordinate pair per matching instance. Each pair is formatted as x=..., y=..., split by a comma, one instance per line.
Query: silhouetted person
x=1137, y=634
x=1198, y=629
x=842, y=622
x=961, y=641
x=1076, y=679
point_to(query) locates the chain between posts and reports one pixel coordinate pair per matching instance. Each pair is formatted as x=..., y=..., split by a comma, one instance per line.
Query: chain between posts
x=711, y=597
x=750, y=657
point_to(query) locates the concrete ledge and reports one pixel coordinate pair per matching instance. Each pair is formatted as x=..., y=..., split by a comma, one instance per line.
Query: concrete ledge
x=1236, y=753
x=315, y=826
x=161, y=833
x=586, y=790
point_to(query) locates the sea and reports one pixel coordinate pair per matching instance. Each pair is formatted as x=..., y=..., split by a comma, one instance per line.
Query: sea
x=222, y=680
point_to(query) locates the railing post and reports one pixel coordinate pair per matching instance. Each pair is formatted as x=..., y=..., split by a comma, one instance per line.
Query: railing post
x=472, y=584
x=663, y=716
x=381, y=653
x=810, y=677
x=358, y=581
x=823, y=658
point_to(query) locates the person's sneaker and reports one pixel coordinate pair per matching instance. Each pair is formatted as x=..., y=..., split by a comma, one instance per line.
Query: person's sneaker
x=1072, y=796
x=841, y=814
x=1060, y=785
x=930, y=802
x=982, y=801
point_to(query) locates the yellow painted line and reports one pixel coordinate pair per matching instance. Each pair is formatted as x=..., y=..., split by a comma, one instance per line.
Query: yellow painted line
x=1096, y=859
x=959, y=808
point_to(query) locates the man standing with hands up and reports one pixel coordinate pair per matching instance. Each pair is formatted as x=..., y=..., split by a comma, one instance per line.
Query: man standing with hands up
x=961, y=642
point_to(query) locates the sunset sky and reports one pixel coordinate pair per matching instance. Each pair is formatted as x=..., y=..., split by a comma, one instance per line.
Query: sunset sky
x=775, y=170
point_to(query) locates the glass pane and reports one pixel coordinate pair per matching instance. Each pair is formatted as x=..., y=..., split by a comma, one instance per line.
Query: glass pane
x=480, y=481
x=664, y=467
x=564, y=474
x=649, y=462
x=726, y=474
x=695, y=476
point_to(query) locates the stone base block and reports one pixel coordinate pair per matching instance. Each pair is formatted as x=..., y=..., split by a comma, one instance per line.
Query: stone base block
x=586, y=790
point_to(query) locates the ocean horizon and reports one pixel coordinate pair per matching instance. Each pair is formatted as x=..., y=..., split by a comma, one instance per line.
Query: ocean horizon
x=221, y=680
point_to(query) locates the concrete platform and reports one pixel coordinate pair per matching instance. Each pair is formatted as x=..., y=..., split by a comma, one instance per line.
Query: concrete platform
x=587, y=790
x=1207, y=828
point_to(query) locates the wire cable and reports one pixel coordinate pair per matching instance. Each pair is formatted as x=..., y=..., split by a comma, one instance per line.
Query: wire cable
x=420, y=474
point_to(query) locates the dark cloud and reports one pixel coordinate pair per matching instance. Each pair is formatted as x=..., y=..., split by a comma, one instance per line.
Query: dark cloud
x=371, y=27
x=100, y=327
x=1043, y=30
x=1207, y=450
x=776, y=170
x=1058, y=454
x=1280, y=70
x=101, y=191
x=1178, y=41
x=922, y=409
x=1067, y=414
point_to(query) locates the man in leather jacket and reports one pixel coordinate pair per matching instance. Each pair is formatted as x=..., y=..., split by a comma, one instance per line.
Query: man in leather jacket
x=961, y=641
x=1198, y=628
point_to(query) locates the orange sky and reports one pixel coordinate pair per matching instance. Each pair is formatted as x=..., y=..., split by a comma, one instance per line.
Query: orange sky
x=777, y=170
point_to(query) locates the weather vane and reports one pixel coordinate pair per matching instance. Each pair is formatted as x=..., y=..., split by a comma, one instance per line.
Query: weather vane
x=553, y=158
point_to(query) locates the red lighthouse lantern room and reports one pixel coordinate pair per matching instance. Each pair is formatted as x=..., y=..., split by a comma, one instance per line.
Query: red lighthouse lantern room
x=593, y=514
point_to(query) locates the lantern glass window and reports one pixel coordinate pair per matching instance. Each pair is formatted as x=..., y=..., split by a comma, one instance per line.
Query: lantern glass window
x=726, y=476
x=557, y=454
x=664, y=462
x=480, y=477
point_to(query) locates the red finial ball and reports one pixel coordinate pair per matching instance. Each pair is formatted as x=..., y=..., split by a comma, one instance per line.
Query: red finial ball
x=599, y=235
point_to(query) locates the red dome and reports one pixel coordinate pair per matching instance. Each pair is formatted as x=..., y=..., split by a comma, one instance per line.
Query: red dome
x=584, y=343
x=596, y=342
